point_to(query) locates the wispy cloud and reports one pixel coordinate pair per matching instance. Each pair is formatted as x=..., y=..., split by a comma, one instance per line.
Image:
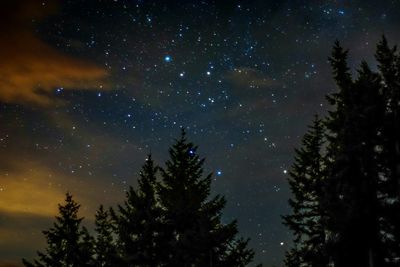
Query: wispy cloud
x=33, y=188
x=250, y=78
x=31, y=69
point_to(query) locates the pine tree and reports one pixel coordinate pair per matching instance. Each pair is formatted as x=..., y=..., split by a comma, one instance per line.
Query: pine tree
x=69, y=244
x=360, y=197
x=195, y=235
x=389, y=67
x=138, y=221
x=352, y=180
x=306, y=181
x=106, y=254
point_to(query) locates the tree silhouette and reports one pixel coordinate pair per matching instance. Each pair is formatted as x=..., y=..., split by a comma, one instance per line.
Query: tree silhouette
x=138, y=221
x=306, y=181
x=389, y=66
x=359, y=200
x=172, y=222
x=195, y=234
x=68, y=244
x=105, y=248
x=352, y=182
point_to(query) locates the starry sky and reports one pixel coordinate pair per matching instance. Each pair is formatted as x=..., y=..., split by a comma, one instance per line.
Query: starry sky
x=88, y=88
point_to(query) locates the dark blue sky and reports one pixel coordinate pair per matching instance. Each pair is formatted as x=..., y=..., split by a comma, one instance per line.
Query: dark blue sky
x=88, y=88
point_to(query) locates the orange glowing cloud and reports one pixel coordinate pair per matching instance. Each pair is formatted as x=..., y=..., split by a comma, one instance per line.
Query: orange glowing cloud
x=29, y=187
x=30, y=191
x=31, y=69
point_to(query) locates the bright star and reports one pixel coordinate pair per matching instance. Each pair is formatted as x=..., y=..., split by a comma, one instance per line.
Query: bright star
x=167, y=58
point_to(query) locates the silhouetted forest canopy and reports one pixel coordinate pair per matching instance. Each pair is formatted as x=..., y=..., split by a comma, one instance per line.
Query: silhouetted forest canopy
x=169, y=220
x=345, y=183
x=345, y=180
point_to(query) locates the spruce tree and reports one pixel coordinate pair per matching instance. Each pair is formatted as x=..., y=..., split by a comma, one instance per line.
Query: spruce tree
x=360, y=196
x=68, y=244
x=138, y=221
x=389, y=66
x=351, y=189
x=105, y=249
x=195, y=235
x=306, y=181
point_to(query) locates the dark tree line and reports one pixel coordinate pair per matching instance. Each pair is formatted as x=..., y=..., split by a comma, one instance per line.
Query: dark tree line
x=346, y=176
x=169, y=220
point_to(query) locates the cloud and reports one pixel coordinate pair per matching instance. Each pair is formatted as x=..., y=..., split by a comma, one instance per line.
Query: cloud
x=251, y=102
x=29, y=196
x=30, y=192
x=33, y=188
x=31, y=69
x=250, y=78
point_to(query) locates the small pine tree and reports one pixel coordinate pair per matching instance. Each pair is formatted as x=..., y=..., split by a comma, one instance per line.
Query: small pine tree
x=195, y=235
x=69, y=244
x=306, y=181
x=138, y=221
x=106, y=254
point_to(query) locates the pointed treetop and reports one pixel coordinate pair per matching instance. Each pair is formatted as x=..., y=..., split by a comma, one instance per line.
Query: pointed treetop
x=383, y=44
x=183, y=135
x=338, y=60
x=148, y=177
x=387, y=60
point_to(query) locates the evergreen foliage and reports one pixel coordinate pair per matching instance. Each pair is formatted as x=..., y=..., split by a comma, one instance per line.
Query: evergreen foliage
x=389, y=66
x=357, y=203
x=138, y=221
x=307, y=177
x=171, y=222
x=196, y=235
x=68, y=244
x=351, y=189
x=106, y=253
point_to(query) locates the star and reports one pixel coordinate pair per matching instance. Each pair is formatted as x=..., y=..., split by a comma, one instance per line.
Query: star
x=167, y=58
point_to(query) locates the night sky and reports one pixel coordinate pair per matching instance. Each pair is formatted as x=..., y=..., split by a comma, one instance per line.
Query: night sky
x=88, y=88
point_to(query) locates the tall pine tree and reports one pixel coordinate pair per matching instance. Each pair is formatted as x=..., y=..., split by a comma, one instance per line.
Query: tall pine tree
x=68, y=244
x=389, y=66
x=138, y=221
x=351, y=191
x=195, y=234
x=105, y=248
x=306, y=181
